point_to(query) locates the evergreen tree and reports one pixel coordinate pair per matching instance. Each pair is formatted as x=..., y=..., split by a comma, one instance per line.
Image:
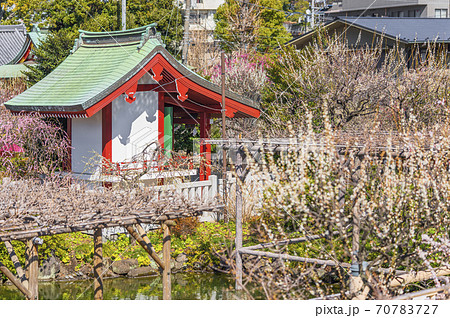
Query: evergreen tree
x=52, y=51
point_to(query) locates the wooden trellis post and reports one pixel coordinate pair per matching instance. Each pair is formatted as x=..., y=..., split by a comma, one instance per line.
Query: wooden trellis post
x=166, y=277
x=16, y=263
x=33, y=267
x=144, y=241
x=15, y=281
x=98, y=265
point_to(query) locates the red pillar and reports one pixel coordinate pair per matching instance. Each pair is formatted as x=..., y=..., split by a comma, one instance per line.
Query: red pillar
x=107, y=133
x=205, y=149
x=160, y=131
x=107, y=140
x=69, y=136
x=161, y=119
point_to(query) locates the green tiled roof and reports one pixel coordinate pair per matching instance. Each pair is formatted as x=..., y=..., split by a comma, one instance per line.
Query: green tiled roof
x=37, y=36
x=100, y=63
x=12, y=71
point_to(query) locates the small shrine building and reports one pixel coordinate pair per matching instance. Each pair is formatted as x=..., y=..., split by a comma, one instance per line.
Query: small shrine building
x=118, y=92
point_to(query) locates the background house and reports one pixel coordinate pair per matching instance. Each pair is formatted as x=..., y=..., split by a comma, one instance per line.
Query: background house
x=413, y=35
x=15, y=49
x=202, y=46
x=391, y=8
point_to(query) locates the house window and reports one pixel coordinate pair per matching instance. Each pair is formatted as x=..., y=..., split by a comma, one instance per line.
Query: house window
x=440, y=13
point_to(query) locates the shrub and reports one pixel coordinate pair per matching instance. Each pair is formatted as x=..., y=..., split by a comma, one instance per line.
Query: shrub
x=45, y=146
x=358, y=89
x=395, y=185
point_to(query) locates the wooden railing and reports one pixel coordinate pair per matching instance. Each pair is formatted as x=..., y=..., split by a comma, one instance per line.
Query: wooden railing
x=198, y=191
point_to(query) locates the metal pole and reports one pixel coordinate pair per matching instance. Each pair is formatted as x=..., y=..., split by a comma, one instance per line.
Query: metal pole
x=313, y=4
x=224, y=131
x=124, y=14
x=239, y=208
x=187, y=16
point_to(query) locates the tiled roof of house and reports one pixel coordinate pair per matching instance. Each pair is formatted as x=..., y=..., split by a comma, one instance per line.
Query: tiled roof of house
x=13, y=43
x=418, y=30
x=405, y=30
x=37, y=36
x=12, y=71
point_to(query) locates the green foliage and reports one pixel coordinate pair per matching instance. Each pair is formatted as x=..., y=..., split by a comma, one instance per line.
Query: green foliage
x=299, y=6
x=203, y=246
x=184, y=138
x=63, y=246
x=251, y=25
x=29, y=11
x=52, y=51
x=166, y=13
x=17, y=163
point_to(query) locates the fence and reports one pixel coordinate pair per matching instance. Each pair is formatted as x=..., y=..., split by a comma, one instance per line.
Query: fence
x=200, y=191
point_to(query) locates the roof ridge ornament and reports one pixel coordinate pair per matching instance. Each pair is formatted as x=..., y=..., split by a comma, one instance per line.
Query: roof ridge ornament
x=78, y=42
x=150, y=31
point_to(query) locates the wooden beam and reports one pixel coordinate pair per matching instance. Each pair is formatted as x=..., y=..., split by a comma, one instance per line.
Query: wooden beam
x=144, y=241
x=15, y=281
x=290, y=241
x=102, y=223
x=405, y=279
x=191, y=106
x=424, y=293
x=147, y=87
x=98, y=265
x=187, y=121
x=166, y=277
x=33, y=269
x=163, y=88
x=293, y=258
x=183, y=113
x=17, y=265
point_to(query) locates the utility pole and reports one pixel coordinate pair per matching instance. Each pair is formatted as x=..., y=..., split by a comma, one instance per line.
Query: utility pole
x=224, y=131
x=124, y=14
x=313, y=13
x=187, y=15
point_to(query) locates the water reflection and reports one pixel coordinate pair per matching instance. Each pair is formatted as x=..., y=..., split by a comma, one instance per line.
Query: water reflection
x=184, y=286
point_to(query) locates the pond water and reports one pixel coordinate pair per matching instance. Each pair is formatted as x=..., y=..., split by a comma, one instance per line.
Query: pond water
x=190, y=286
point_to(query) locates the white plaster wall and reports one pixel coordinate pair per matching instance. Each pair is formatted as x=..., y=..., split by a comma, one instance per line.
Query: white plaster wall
x=134, y=125
x=86, y=142
x=147, y=79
